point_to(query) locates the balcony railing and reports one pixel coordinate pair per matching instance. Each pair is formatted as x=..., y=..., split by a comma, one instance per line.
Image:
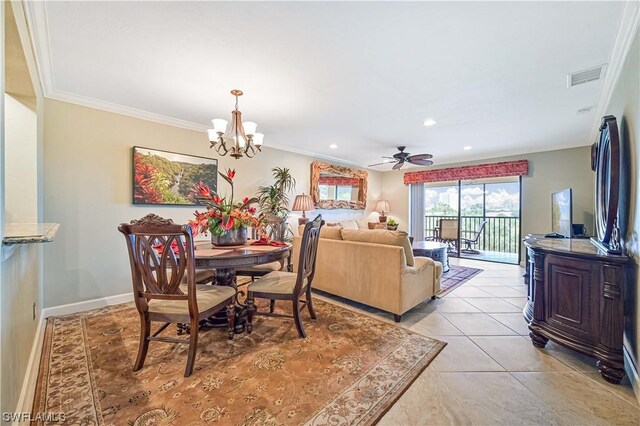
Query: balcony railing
x=501, y=234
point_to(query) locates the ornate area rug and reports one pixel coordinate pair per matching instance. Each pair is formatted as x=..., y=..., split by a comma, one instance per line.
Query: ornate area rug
x=350, y=370
x=456, y=276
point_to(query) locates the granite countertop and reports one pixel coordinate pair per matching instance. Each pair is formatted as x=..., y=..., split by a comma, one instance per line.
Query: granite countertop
x=28, y=233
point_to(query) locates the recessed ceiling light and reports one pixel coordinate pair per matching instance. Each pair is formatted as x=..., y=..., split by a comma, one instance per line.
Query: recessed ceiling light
x=429, y=122
x=333, y=146
x=467, y=148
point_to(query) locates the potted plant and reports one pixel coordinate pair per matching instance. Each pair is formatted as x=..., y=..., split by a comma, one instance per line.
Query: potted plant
x=226, y=220
x=392, y=224
x=274, y=203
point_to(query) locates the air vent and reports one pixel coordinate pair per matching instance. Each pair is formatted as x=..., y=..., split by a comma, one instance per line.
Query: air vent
x=586, y=76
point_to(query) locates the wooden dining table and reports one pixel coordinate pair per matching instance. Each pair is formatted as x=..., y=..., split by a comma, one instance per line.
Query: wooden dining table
x=225, y=261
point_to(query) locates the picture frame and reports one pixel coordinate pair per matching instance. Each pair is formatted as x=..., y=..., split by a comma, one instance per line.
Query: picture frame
x=166, y=178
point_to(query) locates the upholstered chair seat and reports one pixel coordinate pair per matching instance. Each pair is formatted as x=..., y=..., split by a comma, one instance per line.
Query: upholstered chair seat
x=275, y=282
x=207, y=297
x=265, y=267
x=202, y=276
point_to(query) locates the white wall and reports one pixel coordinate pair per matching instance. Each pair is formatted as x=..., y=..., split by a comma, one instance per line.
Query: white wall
x=548, y=172
x=20, y=277
x=88, y=190
x=625, y=106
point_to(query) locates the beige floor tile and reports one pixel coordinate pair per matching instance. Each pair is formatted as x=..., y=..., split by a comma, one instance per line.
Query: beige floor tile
x=624, y=390
x=505, y=291
x=498, y=399
x=482, y=281
x=580, y=400
x=469, y=291
x=478, y=324
x=453, y=304
x=492, y=305
x=520, y=302
x=574, y=359
x=461, y=354
x=516, y=353
x=427, y=402
x=430, y=325
x=516, y=322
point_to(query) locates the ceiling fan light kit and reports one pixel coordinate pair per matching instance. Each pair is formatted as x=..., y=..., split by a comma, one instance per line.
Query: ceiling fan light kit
x=238, y=139
x=402, y=157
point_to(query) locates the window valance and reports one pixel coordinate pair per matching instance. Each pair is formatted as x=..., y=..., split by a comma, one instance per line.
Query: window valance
x=480, y=171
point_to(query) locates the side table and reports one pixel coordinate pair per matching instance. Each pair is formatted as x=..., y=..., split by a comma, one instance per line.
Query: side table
x=433, y=249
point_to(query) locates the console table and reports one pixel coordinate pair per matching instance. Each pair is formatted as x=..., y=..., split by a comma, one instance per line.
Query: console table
x=433, y=249
x=575, y=299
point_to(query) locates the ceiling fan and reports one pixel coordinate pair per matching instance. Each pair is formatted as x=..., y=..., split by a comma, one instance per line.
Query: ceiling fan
x=402, y=157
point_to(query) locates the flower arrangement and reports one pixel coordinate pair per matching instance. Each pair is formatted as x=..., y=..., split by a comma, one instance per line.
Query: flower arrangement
x=222, y=215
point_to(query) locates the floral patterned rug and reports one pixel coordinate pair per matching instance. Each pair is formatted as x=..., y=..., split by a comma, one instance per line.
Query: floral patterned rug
x=350, y=370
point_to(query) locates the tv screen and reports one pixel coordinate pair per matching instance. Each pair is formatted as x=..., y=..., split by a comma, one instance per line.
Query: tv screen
x=561, y=213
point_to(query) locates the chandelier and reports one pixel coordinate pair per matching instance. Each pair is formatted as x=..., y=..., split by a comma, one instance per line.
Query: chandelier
x=237, y=139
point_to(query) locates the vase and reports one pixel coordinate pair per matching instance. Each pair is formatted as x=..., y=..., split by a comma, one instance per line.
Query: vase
x=233, y=237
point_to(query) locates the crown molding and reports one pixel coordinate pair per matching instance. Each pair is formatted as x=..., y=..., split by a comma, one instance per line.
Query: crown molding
x=627, y=30
x=36, y=16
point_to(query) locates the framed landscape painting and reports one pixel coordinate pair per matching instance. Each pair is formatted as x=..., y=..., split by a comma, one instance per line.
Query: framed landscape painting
x=167, y=178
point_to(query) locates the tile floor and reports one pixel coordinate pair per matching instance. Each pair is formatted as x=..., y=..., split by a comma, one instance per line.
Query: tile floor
x=490, y=373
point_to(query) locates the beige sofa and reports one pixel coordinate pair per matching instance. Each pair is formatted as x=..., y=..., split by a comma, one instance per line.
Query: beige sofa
x=374, y=267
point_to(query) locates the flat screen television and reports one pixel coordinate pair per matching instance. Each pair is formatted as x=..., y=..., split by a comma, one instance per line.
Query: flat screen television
x=561, y=213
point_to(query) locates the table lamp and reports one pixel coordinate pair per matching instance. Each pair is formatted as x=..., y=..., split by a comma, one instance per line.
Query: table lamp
x=382, y=206
x=302, y=203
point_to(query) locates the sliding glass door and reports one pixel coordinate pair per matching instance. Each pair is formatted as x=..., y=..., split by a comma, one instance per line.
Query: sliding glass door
x=486, y=213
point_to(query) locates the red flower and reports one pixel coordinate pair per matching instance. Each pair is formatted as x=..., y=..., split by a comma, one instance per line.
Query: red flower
x=252, y=210
x=231, y=173
x=203, y=189
x=244, y=200
x=228, y=225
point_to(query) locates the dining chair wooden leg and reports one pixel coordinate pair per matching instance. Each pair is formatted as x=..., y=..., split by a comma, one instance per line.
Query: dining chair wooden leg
x=272, y=306
x=193, y=347
x=231, y=319
x=312, y=311
x=143, y=347
x=251, y=309
x=298, y=320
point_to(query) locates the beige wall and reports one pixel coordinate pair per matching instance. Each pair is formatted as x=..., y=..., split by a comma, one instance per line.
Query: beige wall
x=625, y=106
x=88, y=190
x=21, y=161
x=548, y=172
x=21, y=268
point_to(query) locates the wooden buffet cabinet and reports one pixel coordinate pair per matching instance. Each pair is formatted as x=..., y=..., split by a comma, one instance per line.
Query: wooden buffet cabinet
x=576, y=299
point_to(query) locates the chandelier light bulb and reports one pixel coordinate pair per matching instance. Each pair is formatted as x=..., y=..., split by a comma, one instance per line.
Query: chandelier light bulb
x=257, y=139
x=219, y=125
x=249, y=128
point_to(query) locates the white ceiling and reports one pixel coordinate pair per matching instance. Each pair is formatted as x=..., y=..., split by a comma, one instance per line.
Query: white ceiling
x=361, y=75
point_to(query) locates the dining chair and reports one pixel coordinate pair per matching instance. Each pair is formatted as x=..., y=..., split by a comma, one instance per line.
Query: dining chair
x=275, y=227
x=161, y=253
x=280, y=285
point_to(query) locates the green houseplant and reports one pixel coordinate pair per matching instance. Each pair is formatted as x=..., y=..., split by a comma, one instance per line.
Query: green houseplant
x=392, y=224
x=273, y=201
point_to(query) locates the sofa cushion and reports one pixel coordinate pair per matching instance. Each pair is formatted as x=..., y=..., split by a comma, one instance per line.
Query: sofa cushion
x=349, y=224
x=329, y=233
x=382, y=236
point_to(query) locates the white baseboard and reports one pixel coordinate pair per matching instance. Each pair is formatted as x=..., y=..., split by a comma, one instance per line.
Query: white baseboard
x=25, y=401
x=632, y=372
x=86, y=305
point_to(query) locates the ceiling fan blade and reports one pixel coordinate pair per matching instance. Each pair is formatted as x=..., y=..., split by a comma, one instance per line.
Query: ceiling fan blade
x=420, y=157
x=380, y=164
x=398, y=165
x=420, y=162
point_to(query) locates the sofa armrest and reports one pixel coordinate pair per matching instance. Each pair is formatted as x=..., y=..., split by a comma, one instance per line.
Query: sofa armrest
x=420, y=264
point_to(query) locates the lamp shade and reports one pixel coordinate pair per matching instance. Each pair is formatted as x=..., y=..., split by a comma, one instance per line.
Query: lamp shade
x=382, y=206
x=303, y=203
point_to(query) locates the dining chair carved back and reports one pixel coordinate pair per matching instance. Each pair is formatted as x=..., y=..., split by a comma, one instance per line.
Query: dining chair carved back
x=276, y=228
x=161, y=254
x=280, y=285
